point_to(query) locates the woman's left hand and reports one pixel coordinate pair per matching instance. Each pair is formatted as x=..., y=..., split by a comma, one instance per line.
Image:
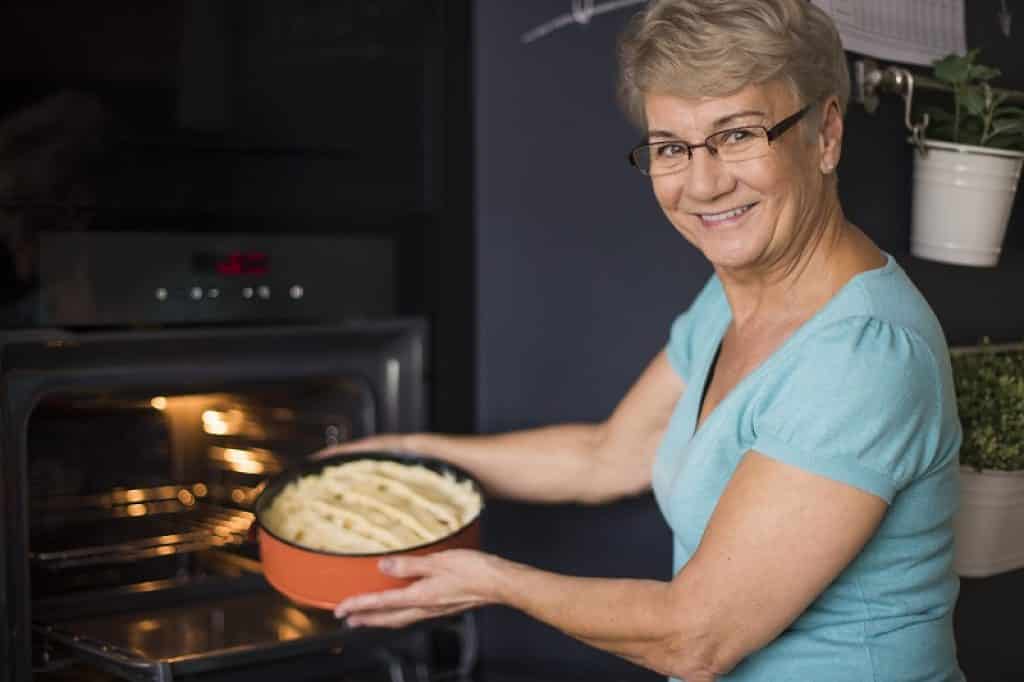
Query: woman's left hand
x=449, y=582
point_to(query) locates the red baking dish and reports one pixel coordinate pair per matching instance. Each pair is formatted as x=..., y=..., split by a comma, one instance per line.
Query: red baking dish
x=322, y=579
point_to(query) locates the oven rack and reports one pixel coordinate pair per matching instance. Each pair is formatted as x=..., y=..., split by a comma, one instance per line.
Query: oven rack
x=218, y=626
x=155, y=522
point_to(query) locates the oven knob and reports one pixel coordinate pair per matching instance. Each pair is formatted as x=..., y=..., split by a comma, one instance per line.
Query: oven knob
x=263, y=291
x=161, y=294
x=296, y=291
x=195, y=293
x=213, y=293
x=247, y=292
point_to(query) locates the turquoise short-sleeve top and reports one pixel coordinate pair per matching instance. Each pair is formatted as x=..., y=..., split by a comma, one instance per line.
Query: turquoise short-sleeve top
x=862, y=393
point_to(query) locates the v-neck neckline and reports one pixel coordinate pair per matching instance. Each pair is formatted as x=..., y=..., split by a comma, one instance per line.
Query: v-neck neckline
x=782, y=350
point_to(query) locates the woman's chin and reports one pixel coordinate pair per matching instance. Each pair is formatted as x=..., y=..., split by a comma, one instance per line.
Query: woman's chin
x=731, y=256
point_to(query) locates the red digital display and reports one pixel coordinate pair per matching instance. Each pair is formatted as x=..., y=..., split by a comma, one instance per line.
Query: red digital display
x=242, y=263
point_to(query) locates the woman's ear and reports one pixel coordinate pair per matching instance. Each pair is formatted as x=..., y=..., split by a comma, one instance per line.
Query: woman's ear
x=830, y=135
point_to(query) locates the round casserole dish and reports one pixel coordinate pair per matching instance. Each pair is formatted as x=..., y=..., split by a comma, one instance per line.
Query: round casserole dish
x=322, y=579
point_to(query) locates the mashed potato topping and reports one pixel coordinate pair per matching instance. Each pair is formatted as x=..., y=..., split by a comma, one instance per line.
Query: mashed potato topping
x=372, y=506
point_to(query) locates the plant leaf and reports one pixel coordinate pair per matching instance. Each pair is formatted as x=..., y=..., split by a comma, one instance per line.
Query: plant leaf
x=974, y=100
x=1007, y=127
x=1010, y=112
x=953, y=68
x=970, y=131
x=983, y=73
x=1015, y=142
x=1008, y=122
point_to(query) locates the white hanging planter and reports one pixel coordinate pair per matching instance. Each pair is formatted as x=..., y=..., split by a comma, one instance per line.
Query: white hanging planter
x=989, y=525
x=962, y=200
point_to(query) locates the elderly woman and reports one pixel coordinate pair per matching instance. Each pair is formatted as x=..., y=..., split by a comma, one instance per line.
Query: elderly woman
x=799, y=428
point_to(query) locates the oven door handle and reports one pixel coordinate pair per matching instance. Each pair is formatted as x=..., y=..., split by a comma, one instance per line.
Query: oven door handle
x=113, y=659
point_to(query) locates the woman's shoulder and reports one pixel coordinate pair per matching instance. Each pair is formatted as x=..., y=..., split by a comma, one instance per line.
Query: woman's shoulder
x=864, y=396
x=886, y=297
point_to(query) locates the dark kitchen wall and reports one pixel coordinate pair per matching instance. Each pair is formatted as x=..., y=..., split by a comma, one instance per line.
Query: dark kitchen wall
x=579, y=275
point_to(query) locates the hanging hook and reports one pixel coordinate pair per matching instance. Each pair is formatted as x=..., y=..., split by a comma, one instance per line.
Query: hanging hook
x=917, y=130
x=1005, y=19
x=582, y=11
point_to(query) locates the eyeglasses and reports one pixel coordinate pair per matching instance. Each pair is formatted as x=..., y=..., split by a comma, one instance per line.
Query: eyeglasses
x=734, y=144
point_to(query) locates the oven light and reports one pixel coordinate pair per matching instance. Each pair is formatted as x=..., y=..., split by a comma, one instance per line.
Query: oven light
x=159, y=403
x=147, y=625
x=253, y=461
x=286, y=632
x=223, y=423
x=136, y=510
x=297, y=619
x=134, y=495
x=243, y=461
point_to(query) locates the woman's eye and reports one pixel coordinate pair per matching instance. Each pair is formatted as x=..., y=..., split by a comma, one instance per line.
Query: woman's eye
x=669, y=150
x=736, y=136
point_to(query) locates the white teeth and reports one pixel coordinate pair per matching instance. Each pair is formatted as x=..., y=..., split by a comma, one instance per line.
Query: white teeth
x=718, y=217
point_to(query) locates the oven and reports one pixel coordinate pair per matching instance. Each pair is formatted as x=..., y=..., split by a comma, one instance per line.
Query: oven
x=231, y=233
x=163, y=380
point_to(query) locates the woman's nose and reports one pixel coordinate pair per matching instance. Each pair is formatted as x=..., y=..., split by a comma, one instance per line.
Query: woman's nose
x=706, y=177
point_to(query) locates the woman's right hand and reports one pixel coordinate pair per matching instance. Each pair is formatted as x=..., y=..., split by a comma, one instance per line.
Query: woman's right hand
x=383, y=442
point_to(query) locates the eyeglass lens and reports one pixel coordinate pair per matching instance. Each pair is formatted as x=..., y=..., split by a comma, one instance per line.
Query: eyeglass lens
x=737, y=144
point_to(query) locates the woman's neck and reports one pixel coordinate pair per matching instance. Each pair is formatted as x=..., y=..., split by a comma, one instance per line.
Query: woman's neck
x=798, y=284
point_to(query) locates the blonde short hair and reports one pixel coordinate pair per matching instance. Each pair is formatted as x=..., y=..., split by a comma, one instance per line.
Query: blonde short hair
x=714, y=48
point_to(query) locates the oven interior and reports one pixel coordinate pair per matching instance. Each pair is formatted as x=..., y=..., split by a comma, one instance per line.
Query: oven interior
x=141, y=560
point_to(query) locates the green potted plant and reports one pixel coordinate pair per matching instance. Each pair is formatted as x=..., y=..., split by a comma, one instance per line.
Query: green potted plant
x=966, y=166
x=989, y=524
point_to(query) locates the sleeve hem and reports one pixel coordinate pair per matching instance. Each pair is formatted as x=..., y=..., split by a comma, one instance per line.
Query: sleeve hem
x=676, y=362
x=835, y=468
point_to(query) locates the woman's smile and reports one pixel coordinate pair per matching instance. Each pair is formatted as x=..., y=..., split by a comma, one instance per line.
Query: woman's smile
x=727, y=218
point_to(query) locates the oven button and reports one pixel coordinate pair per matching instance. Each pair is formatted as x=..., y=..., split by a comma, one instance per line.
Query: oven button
x=263, y=291
x=296, y=291
x=161, y=294
x=213, y=293
x=247, y=292
x=195, y=293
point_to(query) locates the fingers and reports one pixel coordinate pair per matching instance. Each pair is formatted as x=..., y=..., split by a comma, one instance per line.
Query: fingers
x=395, y=619
x=411, y=596
x=390, y=599
x=391, y=442
x=406, y=566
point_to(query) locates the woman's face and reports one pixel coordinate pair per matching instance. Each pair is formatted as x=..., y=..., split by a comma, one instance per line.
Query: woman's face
x=742, y=215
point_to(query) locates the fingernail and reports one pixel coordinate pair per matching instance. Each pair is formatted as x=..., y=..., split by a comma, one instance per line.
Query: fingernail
x=386, y=564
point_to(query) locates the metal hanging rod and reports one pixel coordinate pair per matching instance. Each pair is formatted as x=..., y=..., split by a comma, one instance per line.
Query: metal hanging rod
x=871, y=79
x=580, y=13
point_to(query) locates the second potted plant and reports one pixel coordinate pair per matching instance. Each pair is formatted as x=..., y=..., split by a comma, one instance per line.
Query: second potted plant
x=989, y=526
x=967, y=168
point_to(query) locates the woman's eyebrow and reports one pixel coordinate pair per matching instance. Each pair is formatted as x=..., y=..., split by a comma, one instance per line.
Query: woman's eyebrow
x=717, y=124
x=728, y=118
x=664, y=134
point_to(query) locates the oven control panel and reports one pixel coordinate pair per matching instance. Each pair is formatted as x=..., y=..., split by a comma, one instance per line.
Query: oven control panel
x=124, y=278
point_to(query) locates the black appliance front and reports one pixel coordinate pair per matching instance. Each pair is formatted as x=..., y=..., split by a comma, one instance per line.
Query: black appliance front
x=130, y=462
x=112, y=279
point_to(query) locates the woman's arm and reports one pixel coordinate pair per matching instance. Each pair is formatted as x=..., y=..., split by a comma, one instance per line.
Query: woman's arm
x=779, y=535
x=588, y=463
